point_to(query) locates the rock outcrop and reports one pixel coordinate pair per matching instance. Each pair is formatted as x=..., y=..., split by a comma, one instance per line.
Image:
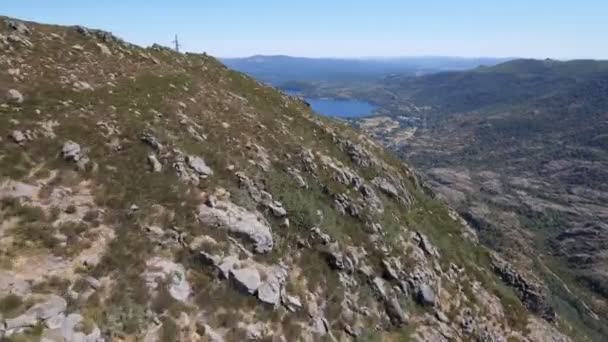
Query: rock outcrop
x=530, y=292
x=237, y=220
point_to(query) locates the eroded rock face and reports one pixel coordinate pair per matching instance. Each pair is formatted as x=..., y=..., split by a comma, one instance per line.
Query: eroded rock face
x=53, y=306
x=529, y=291
x=252, y=225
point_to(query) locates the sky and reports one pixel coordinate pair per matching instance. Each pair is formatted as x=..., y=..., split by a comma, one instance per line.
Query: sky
x=561, y=29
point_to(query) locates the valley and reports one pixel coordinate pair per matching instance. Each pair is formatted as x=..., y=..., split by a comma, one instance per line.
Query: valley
x=519, y=150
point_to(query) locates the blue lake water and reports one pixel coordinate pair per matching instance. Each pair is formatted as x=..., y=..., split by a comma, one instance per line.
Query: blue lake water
x=340, y=108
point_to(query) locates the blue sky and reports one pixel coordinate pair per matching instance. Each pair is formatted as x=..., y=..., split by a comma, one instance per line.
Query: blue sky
x=340, y=28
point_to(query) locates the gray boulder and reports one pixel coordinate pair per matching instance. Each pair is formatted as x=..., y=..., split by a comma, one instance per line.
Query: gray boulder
x=18, y=137
x=246, y=279
x=426, y=295
x=198, y=165
x=82, y=86
x=151, y=141
x=277, y=209
x=71, y=151
x=395, y=312
x=14, y=96
x=379, y=287
x=386, y=186
x=104, y=49
x=425, y=245
x=292, y=303
x=18, y=26
x=269, y=291
x=154, y=163
x=389, y=270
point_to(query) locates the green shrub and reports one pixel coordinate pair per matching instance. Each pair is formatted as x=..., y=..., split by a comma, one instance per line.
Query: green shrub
x=10, y=305
x=169, y=330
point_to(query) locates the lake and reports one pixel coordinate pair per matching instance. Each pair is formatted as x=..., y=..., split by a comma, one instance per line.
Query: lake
x=339, y=108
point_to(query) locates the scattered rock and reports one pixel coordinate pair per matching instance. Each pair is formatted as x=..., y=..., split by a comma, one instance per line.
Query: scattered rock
x=16, y=38
x=318, y=235
x=395, y=312
x=292, y=303
x=19, y=27
x=104, y=49
x=442, y=317
x=199, y=166
x=389, y=270
x=426, y=295
x=427, y=247
x=154, y=163
x=269, y=291
x=379, y=287
x=151, y=141
x=71, y=151
x=336, y=258
x=14, y=96
x=386, y=186
x=93, y=282
x=320, y=326
x=246, y=279
x=277, y=209
x=295, y=174
x=18, y=137
x=82, y=86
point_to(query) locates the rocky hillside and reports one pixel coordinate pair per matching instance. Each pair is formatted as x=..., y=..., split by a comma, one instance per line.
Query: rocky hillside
x=149, y=195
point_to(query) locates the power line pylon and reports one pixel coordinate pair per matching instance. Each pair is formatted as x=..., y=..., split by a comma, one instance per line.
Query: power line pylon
x=176, y=42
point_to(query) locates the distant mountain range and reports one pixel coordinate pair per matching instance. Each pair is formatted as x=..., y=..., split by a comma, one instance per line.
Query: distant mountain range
x=279, y=70
x=509, y=83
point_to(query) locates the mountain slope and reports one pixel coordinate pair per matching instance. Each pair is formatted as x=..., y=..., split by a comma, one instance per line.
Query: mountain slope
x=152, y=195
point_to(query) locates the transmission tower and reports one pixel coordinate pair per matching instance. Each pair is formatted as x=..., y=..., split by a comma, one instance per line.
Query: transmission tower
x=176, y=42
